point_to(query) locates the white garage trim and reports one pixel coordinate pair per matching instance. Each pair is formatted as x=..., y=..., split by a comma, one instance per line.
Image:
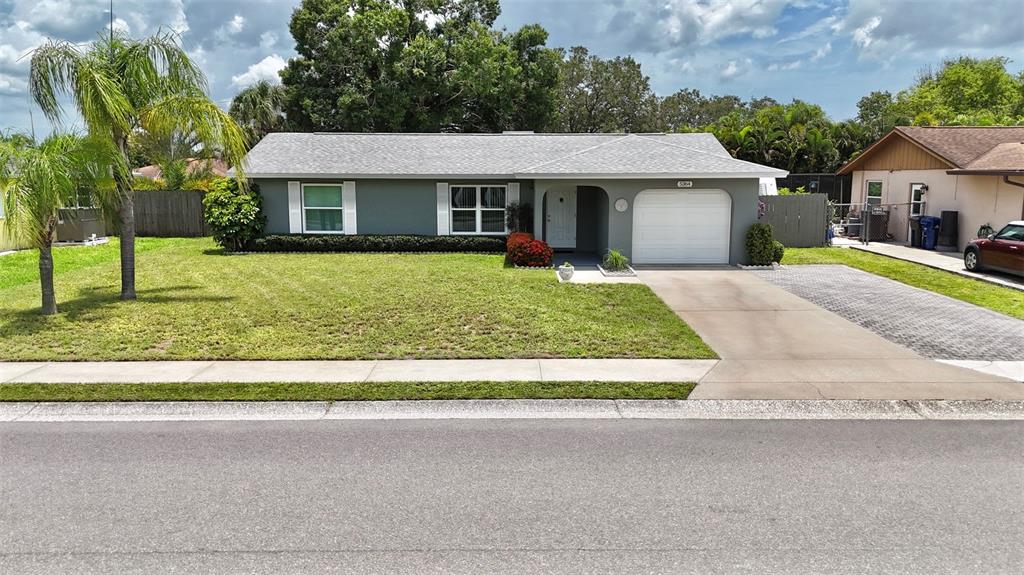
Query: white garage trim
x=682, y=227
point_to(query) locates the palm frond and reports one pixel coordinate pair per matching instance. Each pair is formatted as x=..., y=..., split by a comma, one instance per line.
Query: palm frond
x=53, y=73
x=196, y=114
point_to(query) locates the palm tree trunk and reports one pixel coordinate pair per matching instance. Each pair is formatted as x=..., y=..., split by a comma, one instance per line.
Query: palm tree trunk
x=46, y=276
x=127, y=213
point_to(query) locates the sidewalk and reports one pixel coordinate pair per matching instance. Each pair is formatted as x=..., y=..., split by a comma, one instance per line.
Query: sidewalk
x=946, y=261
x=647, y=370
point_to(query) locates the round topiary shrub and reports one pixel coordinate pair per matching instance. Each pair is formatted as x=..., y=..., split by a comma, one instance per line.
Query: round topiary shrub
x=760, y=247
x=778, y=250
x=532, y=253
x=234, y=213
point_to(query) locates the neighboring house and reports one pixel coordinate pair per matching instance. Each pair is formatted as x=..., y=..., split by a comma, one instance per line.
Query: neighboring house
x=658, y=198
x=977, y=171
x=217, y=167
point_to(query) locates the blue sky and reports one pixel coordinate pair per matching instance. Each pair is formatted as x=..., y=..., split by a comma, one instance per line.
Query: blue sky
x=826, y=52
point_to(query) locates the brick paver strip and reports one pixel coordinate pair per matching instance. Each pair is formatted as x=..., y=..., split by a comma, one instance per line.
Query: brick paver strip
x=931, y=324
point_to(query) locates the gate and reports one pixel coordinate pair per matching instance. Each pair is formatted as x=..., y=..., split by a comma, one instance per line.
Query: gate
x=798, y=221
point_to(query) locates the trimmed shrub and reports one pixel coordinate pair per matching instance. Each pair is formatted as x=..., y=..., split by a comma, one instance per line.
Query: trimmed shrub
x=234, y=213
x=759, y=244
x=533, y=254
x=377, y=243
x=615, y=261
x=516, y=238
x=778, y=250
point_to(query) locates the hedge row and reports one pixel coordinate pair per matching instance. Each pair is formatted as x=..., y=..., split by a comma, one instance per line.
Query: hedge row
x=376, y=243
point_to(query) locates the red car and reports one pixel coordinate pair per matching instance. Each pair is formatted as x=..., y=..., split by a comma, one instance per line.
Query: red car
x=1002, y=251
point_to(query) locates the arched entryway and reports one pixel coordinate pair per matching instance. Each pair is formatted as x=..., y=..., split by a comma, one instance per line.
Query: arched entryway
x=574, y=218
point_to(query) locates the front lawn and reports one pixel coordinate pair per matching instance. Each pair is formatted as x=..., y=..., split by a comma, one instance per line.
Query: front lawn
x=195, y=303
x=997, y=298
x=375, y=391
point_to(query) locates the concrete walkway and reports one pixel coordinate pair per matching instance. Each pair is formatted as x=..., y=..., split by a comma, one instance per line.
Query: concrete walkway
x=947, y=261
x=659, y=370
x=776, y=345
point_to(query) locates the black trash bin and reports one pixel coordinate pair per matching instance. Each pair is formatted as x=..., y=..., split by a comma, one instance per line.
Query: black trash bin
x=915, y=231
x=949, y=230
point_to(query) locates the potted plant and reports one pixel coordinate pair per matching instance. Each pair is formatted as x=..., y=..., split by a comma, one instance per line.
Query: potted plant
x=565, y=271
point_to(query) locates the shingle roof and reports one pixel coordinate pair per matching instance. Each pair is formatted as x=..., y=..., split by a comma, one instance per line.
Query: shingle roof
x=502, y=155
x=961, y=145
x=1005, y=158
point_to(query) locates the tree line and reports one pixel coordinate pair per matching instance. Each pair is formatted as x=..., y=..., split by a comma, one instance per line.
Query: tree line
x=440, y=66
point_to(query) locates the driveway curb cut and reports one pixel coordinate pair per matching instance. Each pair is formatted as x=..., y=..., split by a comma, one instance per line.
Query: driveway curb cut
x=511, y=409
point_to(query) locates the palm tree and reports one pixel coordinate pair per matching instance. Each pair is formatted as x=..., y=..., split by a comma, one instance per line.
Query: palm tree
x=37, y=181
x=260, y=109
x=121, y=85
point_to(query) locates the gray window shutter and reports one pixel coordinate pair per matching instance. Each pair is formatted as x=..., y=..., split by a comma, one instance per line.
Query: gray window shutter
x=443, y=227
x=294, y=207
x=348, y=202
x=512, y=193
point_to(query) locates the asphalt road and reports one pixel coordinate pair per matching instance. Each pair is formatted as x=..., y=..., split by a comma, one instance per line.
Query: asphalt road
x=533, y=496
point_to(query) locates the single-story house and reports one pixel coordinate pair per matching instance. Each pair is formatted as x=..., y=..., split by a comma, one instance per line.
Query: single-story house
x=977, y=171
x=657, y=198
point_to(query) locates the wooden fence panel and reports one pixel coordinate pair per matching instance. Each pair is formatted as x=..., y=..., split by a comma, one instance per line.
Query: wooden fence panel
x=798, y=221
x=170, y=214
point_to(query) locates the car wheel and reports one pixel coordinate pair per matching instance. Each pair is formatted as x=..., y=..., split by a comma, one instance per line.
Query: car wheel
x=971, y=260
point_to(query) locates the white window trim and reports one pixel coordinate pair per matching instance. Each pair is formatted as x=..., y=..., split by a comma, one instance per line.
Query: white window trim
x=867, y=189
x=479, y=210
x=341, y=208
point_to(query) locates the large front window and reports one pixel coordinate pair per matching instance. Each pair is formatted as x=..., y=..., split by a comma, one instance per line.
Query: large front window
x=478, y=209
x=322, y=210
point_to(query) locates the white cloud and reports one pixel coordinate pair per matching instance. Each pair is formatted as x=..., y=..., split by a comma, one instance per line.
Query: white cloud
x=734, y=69
x=822, y=52
x=862, y=36
x=784, y=66
x=268, y=40
x=265, y=69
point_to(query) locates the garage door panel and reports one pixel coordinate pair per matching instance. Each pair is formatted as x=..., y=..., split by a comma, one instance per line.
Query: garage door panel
x=682, y=227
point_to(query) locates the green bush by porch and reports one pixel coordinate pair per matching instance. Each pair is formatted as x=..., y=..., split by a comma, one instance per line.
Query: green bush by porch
x=196, y=303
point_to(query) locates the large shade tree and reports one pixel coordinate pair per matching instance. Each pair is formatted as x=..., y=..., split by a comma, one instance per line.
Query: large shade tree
x=416, y=65
x=121, y=85
x=37, y=181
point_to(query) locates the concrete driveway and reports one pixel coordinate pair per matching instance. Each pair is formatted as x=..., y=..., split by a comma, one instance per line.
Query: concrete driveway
x=776, y=345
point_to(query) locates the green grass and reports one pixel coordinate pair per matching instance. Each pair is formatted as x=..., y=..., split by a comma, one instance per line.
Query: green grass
x=195, y=303
x=997, y=298
x=22, y=267
x=339, y=391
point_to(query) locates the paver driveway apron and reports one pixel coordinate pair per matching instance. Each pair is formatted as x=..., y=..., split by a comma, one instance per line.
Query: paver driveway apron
x=776, y=345
x=931, y=324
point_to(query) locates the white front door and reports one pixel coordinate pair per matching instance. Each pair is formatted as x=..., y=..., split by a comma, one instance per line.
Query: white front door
x=561, y=219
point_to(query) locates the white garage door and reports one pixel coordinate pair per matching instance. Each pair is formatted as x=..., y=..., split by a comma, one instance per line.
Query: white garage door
x=681, y=227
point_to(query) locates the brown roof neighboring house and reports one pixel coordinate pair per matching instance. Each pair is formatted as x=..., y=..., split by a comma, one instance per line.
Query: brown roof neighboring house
x=955, y=147
x=1004, y=159
x=219, y=168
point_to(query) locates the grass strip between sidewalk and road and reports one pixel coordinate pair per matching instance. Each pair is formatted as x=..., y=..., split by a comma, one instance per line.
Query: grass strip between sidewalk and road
x=994, y=297
x=341, y=391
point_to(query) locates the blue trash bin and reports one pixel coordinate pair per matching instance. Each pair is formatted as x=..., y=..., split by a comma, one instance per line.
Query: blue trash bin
x=929, y=231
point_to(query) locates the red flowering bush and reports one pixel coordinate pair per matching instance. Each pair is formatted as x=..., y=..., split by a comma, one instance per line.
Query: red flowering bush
x=532, y=253
x=516, y=238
